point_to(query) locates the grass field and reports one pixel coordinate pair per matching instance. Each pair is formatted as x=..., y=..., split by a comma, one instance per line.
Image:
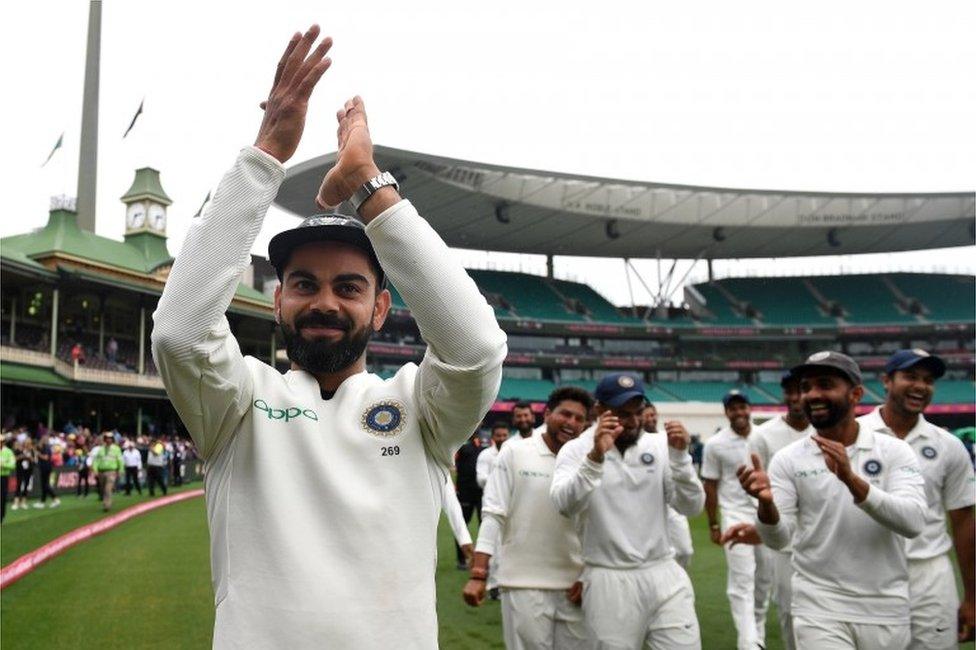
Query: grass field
x=146, y=584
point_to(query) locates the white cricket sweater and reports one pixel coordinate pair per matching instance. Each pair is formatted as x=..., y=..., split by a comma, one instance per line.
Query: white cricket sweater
x=322, y=513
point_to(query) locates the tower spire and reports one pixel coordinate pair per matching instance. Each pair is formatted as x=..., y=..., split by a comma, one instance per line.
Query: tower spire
x=88, y=157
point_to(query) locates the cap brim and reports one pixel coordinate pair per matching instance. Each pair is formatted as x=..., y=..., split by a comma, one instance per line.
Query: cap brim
x=804, y=368
x=619, y=400
x=284, y=243
x=735, y=398
x=935, y=365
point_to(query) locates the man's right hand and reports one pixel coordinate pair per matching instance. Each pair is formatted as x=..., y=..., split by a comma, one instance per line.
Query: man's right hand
x=287, y=104
x=755, y=481
x=741, y=534
x=608, y=428
x=474, y=592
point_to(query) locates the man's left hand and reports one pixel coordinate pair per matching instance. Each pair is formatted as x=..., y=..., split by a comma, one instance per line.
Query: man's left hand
x=967, y=621
x=677, y=435
x=354, y=162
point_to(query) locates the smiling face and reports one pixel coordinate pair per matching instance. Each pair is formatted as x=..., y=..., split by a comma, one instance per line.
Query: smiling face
x=328, y=306
x=629, y=415
x=649, y=418
x=909, y=391
x=738, y=412
x=565, y=422
x=793, y=400
x=499, y=435
x=828, y=398
x=523, y=419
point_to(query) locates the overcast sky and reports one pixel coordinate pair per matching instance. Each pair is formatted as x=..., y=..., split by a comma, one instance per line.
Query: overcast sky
x=831, y=96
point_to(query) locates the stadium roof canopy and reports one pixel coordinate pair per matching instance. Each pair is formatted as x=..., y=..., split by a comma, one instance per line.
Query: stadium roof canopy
x=490, y=207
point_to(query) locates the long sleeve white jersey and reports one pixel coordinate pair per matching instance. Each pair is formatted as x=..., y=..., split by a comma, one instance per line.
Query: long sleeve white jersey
x=455, y=516
x=536, y=547
x=322, y=512
x=486, y=462
x=849, y=559
x=949, y=483
x=723, y=454
x=619, y=506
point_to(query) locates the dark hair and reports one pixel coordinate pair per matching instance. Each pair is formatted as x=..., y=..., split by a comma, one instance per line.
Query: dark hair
x=499, y=424
x=522, y=404
x=648, y=404
x=569, y=393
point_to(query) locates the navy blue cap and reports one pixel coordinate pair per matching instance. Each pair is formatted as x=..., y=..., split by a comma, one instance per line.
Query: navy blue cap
x=787, y=378
x=618, y=388
x=323, y=227
x=735, y=395
x=830, y=360
x=905, y=359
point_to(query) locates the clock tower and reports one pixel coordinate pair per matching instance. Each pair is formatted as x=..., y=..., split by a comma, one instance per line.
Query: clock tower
x=145, y=214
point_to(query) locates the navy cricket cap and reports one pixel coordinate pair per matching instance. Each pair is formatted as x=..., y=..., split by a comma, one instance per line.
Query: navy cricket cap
x=788, y=378
x=323, y=227
x=735, y=395
x=905, y=359
x=841, y=363
x=618, y=388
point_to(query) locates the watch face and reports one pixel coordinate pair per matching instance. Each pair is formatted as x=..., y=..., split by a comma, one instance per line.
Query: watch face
x=135, y=216
x=157, y=216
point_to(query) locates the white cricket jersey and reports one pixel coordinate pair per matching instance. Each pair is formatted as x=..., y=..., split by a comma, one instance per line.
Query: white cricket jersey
x=771, y=436
x=849, y=559
x=455, y=516
x=724, y=453
x=536, y=547
x=677, y=522
x=322, y=512
x=619, y=506
x=486, y=461
x=949, y=483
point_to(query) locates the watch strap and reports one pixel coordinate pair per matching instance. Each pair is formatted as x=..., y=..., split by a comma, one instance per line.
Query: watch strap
x=370, y=187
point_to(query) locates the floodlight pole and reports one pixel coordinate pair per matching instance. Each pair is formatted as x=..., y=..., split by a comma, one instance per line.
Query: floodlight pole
x=88, y=155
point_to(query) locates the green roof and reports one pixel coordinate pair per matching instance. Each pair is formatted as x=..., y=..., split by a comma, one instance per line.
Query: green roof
x=14, y=373
x=146, y=185
x=62, y=235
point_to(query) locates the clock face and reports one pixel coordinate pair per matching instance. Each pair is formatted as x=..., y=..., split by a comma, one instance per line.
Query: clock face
x=135, y=216
x=157, y=216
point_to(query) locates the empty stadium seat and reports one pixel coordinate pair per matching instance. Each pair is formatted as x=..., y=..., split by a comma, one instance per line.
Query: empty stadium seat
x=864, y=298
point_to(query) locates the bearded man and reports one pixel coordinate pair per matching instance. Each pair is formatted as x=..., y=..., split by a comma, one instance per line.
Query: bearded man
x=323, y=485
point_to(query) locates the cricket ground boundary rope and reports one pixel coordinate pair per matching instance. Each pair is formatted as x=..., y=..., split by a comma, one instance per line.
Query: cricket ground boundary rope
x=30, y=561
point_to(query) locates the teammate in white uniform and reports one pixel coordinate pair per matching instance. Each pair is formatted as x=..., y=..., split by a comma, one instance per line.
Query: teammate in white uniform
x=679, y=532
x=487, y=458
x=850, y=586
x=539, y=551
x=749, y=575
x=455, y=518
x=323, y=485
x=767, y=439
x=938, y=619
x=523, y=419
x=616, y=482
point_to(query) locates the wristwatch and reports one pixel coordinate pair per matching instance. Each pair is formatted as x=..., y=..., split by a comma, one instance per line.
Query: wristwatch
x=370, y=187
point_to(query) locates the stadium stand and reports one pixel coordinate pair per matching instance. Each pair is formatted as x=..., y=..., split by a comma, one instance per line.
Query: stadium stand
x=942, y=297
x=595, y=305
x=862, y=299
x=778, y=301
x=527, y=296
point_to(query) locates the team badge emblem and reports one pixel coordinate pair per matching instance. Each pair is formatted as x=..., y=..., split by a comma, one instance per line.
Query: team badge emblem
x=384, y=419
x=626, y=381
x=647, y=458
x=872, y=468
x=929, y=452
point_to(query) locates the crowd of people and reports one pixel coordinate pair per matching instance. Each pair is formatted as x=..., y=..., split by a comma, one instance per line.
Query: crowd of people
x=34, y=457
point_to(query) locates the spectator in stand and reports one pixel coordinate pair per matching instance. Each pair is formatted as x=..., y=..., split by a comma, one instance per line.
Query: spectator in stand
x=133, y=463
x=112, y=350
x=26, y=459
x=469, y=492
x=155, y=466
x=83, y=460
x=108, y=465
x=45, y=466
x=179, y=455
x=8, y=462
x=77, y=353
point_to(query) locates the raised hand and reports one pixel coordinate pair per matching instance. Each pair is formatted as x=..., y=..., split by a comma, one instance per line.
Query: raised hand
x=740, y=534
x=354, y=162
x=677, y=435
x=608, y=428
x=287, y=103
x=838, y=462
x=755, y=481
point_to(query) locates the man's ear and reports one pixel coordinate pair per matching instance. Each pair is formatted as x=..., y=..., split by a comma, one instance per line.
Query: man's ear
x=277, y=304
x=381, y=308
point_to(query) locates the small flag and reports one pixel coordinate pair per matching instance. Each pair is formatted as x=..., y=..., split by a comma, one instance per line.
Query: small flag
x=200, y=211
x=134, y=118
x=57, y=145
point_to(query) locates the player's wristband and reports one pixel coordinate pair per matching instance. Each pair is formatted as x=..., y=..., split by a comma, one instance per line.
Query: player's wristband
x=479, y=574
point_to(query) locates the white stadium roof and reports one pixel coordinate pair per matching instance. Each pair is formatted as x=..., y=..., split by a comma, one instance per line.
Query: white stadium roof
x=490, y=207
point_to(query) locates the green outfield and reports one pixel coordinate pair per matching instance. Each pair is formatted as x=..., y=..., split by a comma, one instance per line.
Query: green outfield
x=147, y=584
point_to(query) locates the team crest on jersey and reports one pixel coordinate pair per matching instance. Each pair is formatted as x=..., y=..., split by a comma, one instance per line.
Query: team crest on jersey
x=872, y=468
x=647, y=458
x=384, y=419
x=929, y=452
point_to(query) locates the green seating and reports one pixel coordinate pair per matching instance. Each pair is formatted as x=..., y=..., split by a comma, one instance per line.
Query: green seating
x=599, y=307
x=948, y=298
x=954, y=391
x=864, y=298
x=531, y=389
x=529, y=295
x=719, y=306
x=779, y=301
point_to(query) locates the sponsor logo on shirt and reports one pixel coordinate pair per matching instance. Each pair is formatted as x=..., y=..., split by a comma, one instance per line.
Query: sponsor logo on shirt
x=384, y=419
x=532, y=474
x=810, y=473
x=929, y=452
x=287, y=414
x=872, y=467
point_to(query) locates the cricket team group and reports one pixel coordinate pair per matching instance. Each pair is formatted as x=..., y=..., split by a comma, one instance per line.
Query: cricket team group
x=324, y=485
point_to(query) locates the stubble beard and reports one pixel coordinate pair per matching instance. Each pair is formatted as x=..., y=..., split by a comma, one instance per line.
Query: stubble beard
x=322, y=355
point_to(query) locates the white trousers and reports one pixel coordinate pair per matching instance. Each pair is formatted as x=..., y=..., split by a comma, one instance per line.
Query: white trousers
x=680, y=535
x=541, y=619
x=631, y=609
x=934, y=603
x=748, y=583
x=783, y=595
x=830, y=634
